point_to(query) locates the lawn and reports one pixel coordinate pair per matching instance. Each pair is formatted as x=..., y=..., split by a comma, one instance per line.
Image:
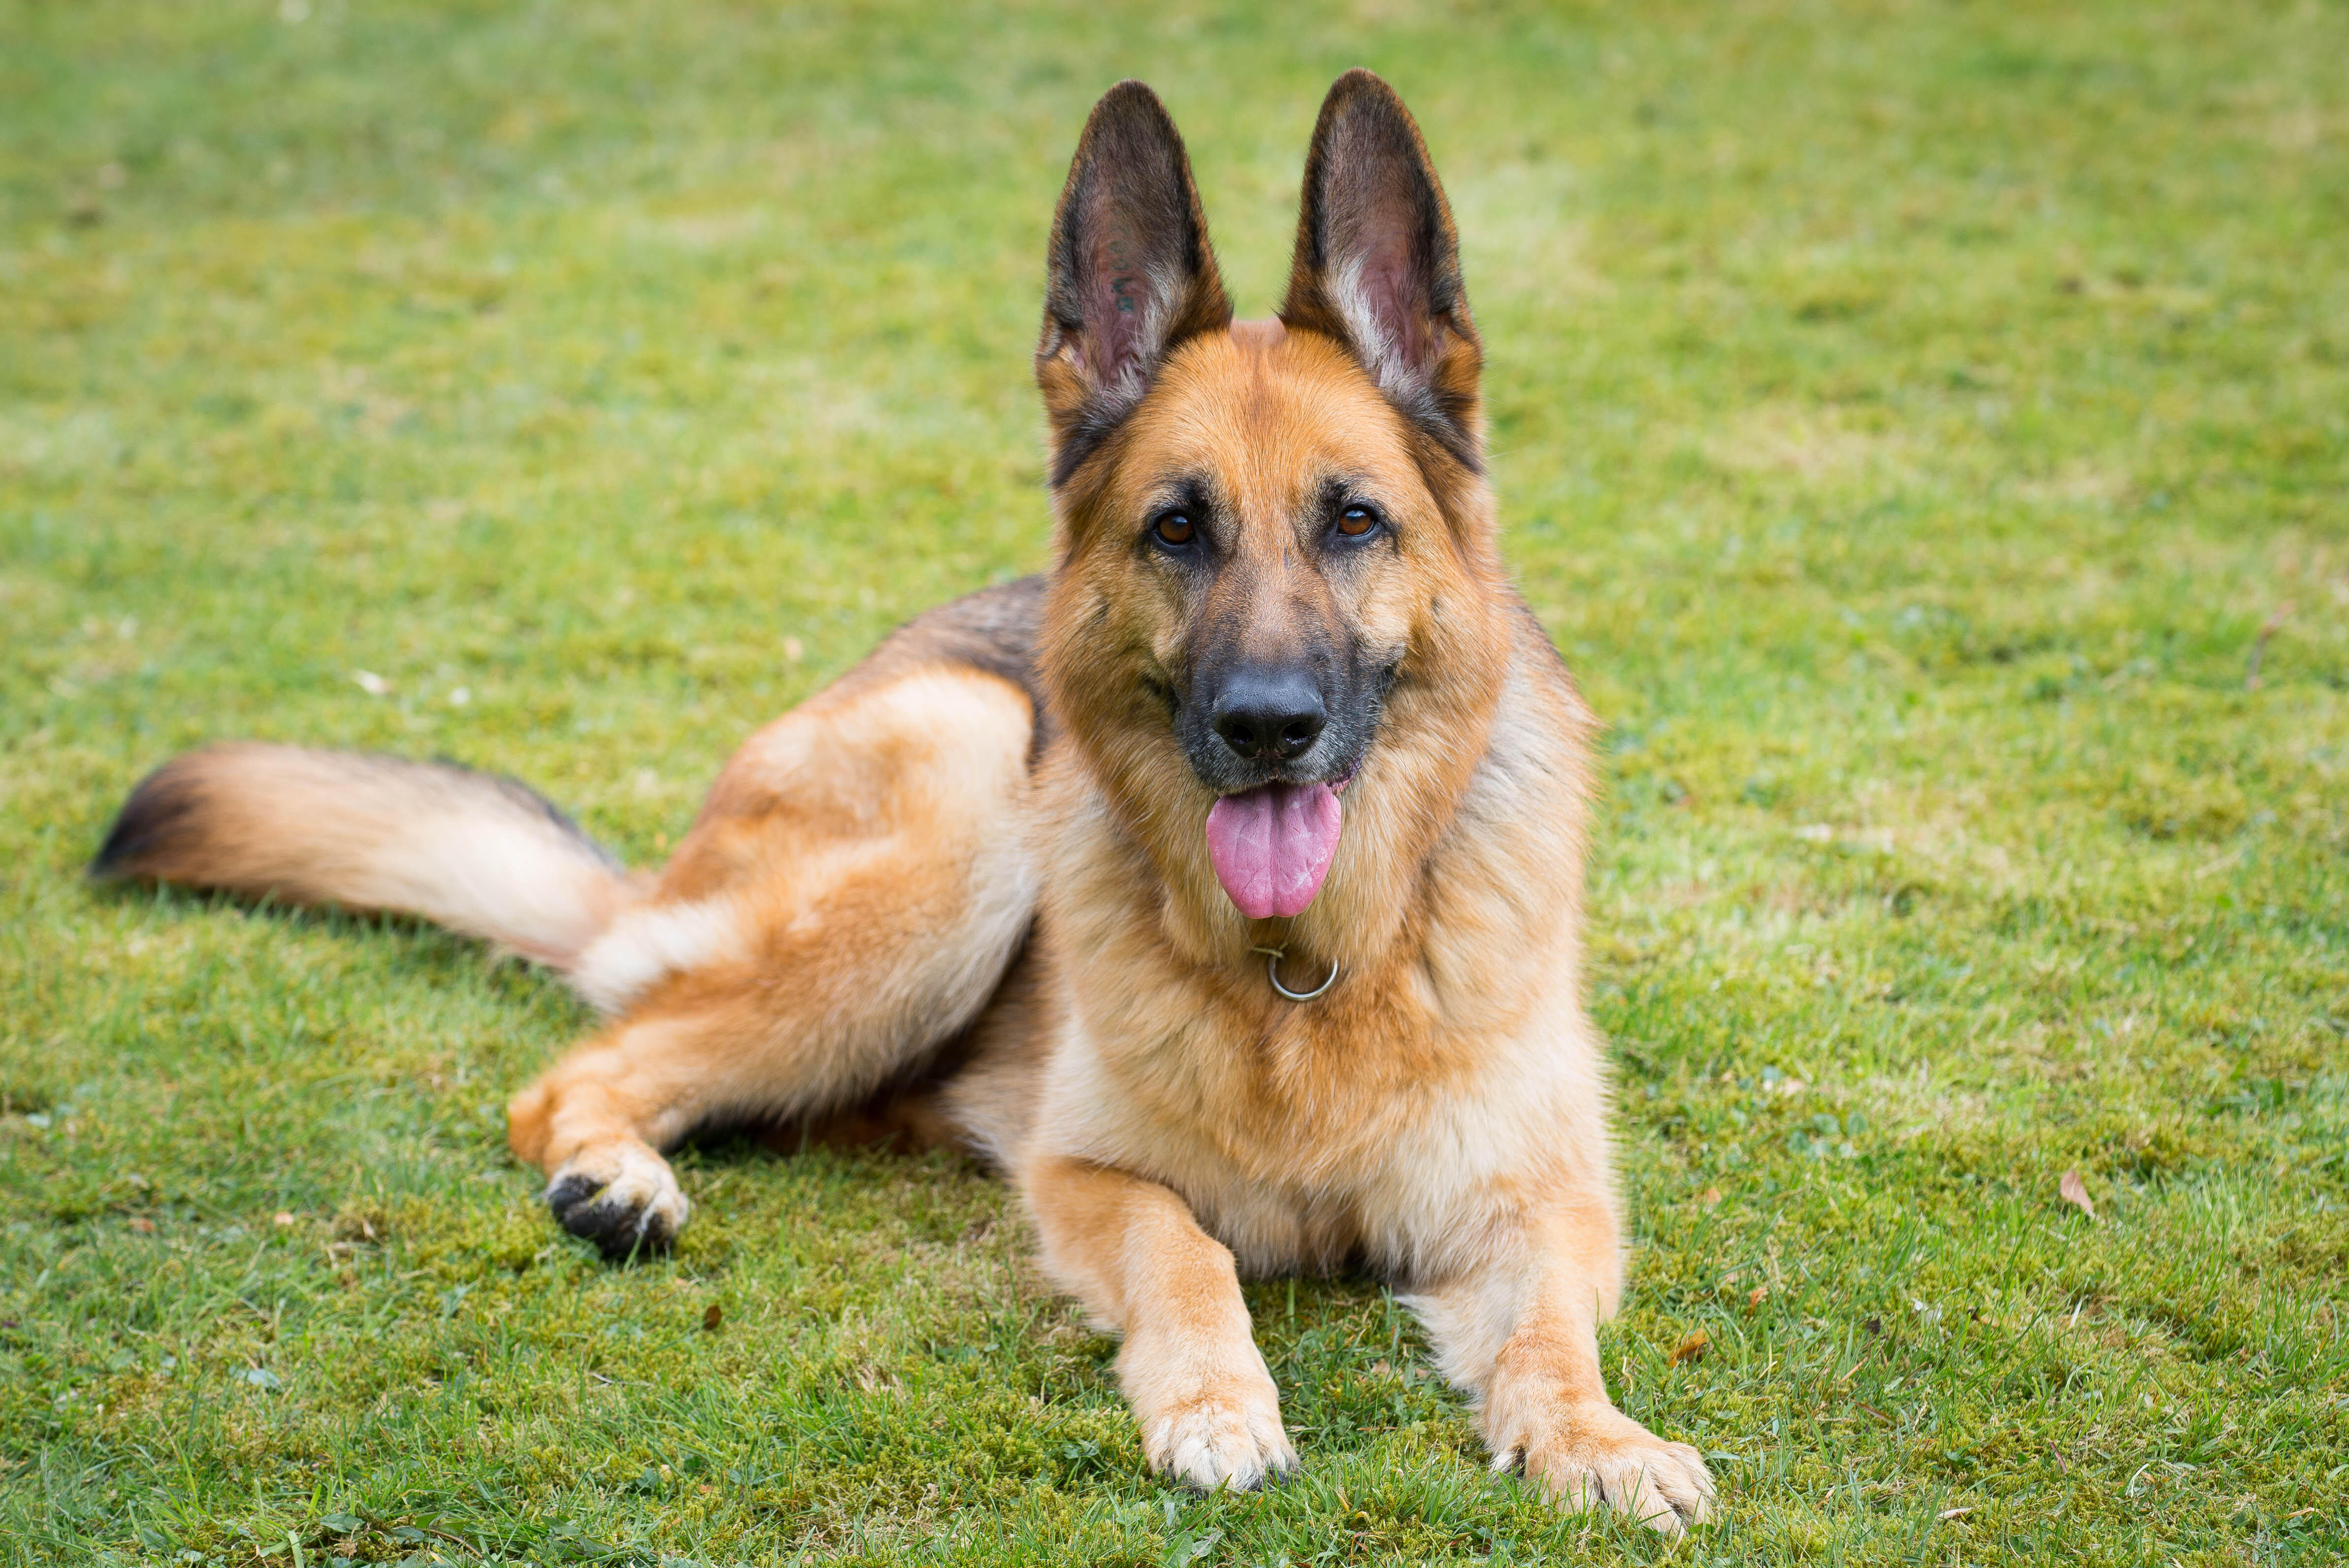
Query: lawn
x=1924, y=427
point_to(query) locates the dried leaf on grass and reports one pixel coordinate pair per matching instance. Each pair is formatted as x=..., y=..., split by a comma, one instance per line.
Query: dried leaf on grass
x=1692, y=1348
x=2074, y=1191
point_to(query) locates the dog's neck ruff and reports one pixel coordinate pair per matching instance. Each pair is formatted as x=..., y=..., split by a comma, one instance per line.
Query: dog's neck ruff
x=1272, y=972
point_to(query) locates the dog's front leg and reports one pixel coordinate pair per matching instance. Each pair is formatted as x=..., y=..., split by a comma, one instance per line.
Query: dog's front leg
x=1132, y=1251
x=1520, y=1333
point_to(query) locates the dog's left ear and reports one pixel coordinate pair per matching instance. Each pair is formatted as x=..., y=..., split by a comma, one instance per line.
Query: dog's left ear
x=1378, y=263
x=1128, y=274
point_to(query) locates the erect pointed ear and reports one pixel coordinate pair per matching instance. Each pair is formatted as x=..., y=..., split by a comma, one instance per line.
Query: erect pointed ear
x=1129, y=276
x=1378, y=262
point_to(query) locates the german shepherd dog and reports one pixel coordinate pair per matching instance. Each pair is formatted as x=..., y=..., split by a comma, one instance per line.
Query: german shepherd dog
x=1222, y=886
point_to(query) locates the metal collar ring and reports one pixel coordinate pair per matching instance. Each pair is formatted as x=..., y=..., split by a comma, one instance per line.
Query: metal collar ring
x=1272, y=972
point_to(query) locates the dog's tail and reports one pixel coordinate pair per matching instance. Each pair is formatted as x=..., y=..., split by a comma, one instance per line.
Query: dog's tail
x=474, y=852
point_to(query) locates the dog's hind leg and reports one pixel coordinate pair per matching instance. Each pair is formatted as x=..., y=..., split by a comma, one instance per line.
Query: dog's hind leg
x=848, y=900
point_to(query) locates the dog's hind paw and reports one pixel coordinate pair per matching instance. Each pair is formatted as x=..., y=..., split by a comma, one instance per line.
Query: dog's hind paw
x=623, y=1197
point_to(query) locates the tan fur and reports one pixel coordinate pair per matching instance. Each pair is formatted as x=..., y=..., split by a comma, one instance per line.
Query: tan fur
x=860, y=861
x=478, y=853
x=967, y=890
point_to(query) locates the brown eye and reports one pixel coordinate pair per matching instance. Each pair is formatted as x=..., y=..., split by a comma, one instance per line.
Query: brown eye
x=1356, y=521
x=1175, y=528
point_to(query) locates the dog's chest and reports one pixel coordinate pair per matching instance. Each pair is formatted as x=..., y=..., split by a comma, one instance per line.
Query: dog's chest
x=1295, y=1152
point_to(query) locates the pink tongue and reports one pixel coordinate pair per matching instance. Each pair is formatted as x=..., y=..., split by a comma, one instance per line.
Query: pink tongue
x=1272, y=846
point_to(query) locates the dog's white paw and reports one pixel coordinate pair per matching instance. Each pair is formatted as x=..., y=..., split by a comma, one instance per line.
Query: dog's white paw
x=1215, y=1443
x=1593, y=1455
x=1212, y=1432
x=621, y=1196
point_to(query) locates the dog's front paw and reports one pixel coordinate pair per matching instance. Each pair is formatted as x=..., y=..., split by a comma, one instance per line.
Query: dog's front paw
x=1218, y=1440
x=1208, y=1432
x=621, y=1196
x=1592, y=1455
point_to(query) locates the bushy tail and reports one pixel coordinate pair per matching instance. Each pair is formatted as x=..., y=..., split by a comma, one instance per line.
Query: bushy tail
x=474, y=852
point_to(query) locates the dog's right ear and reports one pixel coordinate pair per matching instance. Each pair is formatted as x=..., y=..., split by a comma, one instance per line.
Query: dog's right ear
x=1129, y=276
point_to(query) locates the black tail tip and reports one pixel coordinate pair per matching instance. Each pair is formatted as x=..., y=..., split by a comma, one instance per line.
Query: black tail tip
x=150, y=822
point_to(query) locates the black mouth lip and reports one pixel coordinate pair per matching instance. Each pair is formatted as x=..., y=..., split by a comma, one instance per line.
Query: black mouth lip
x=1337, y=784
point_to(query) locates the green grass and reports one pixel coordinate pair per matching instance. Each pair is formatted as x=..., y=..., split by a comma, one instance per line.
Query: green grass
x=1907, y=416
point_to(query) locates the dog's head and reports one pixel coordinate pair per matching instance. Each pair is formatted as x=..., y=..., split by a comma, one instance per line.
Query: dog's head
x=1275, y=557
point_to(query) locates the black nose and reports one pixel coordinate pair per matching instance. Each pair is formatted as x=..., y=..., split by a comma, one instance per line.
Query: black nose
x=1269, y=715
